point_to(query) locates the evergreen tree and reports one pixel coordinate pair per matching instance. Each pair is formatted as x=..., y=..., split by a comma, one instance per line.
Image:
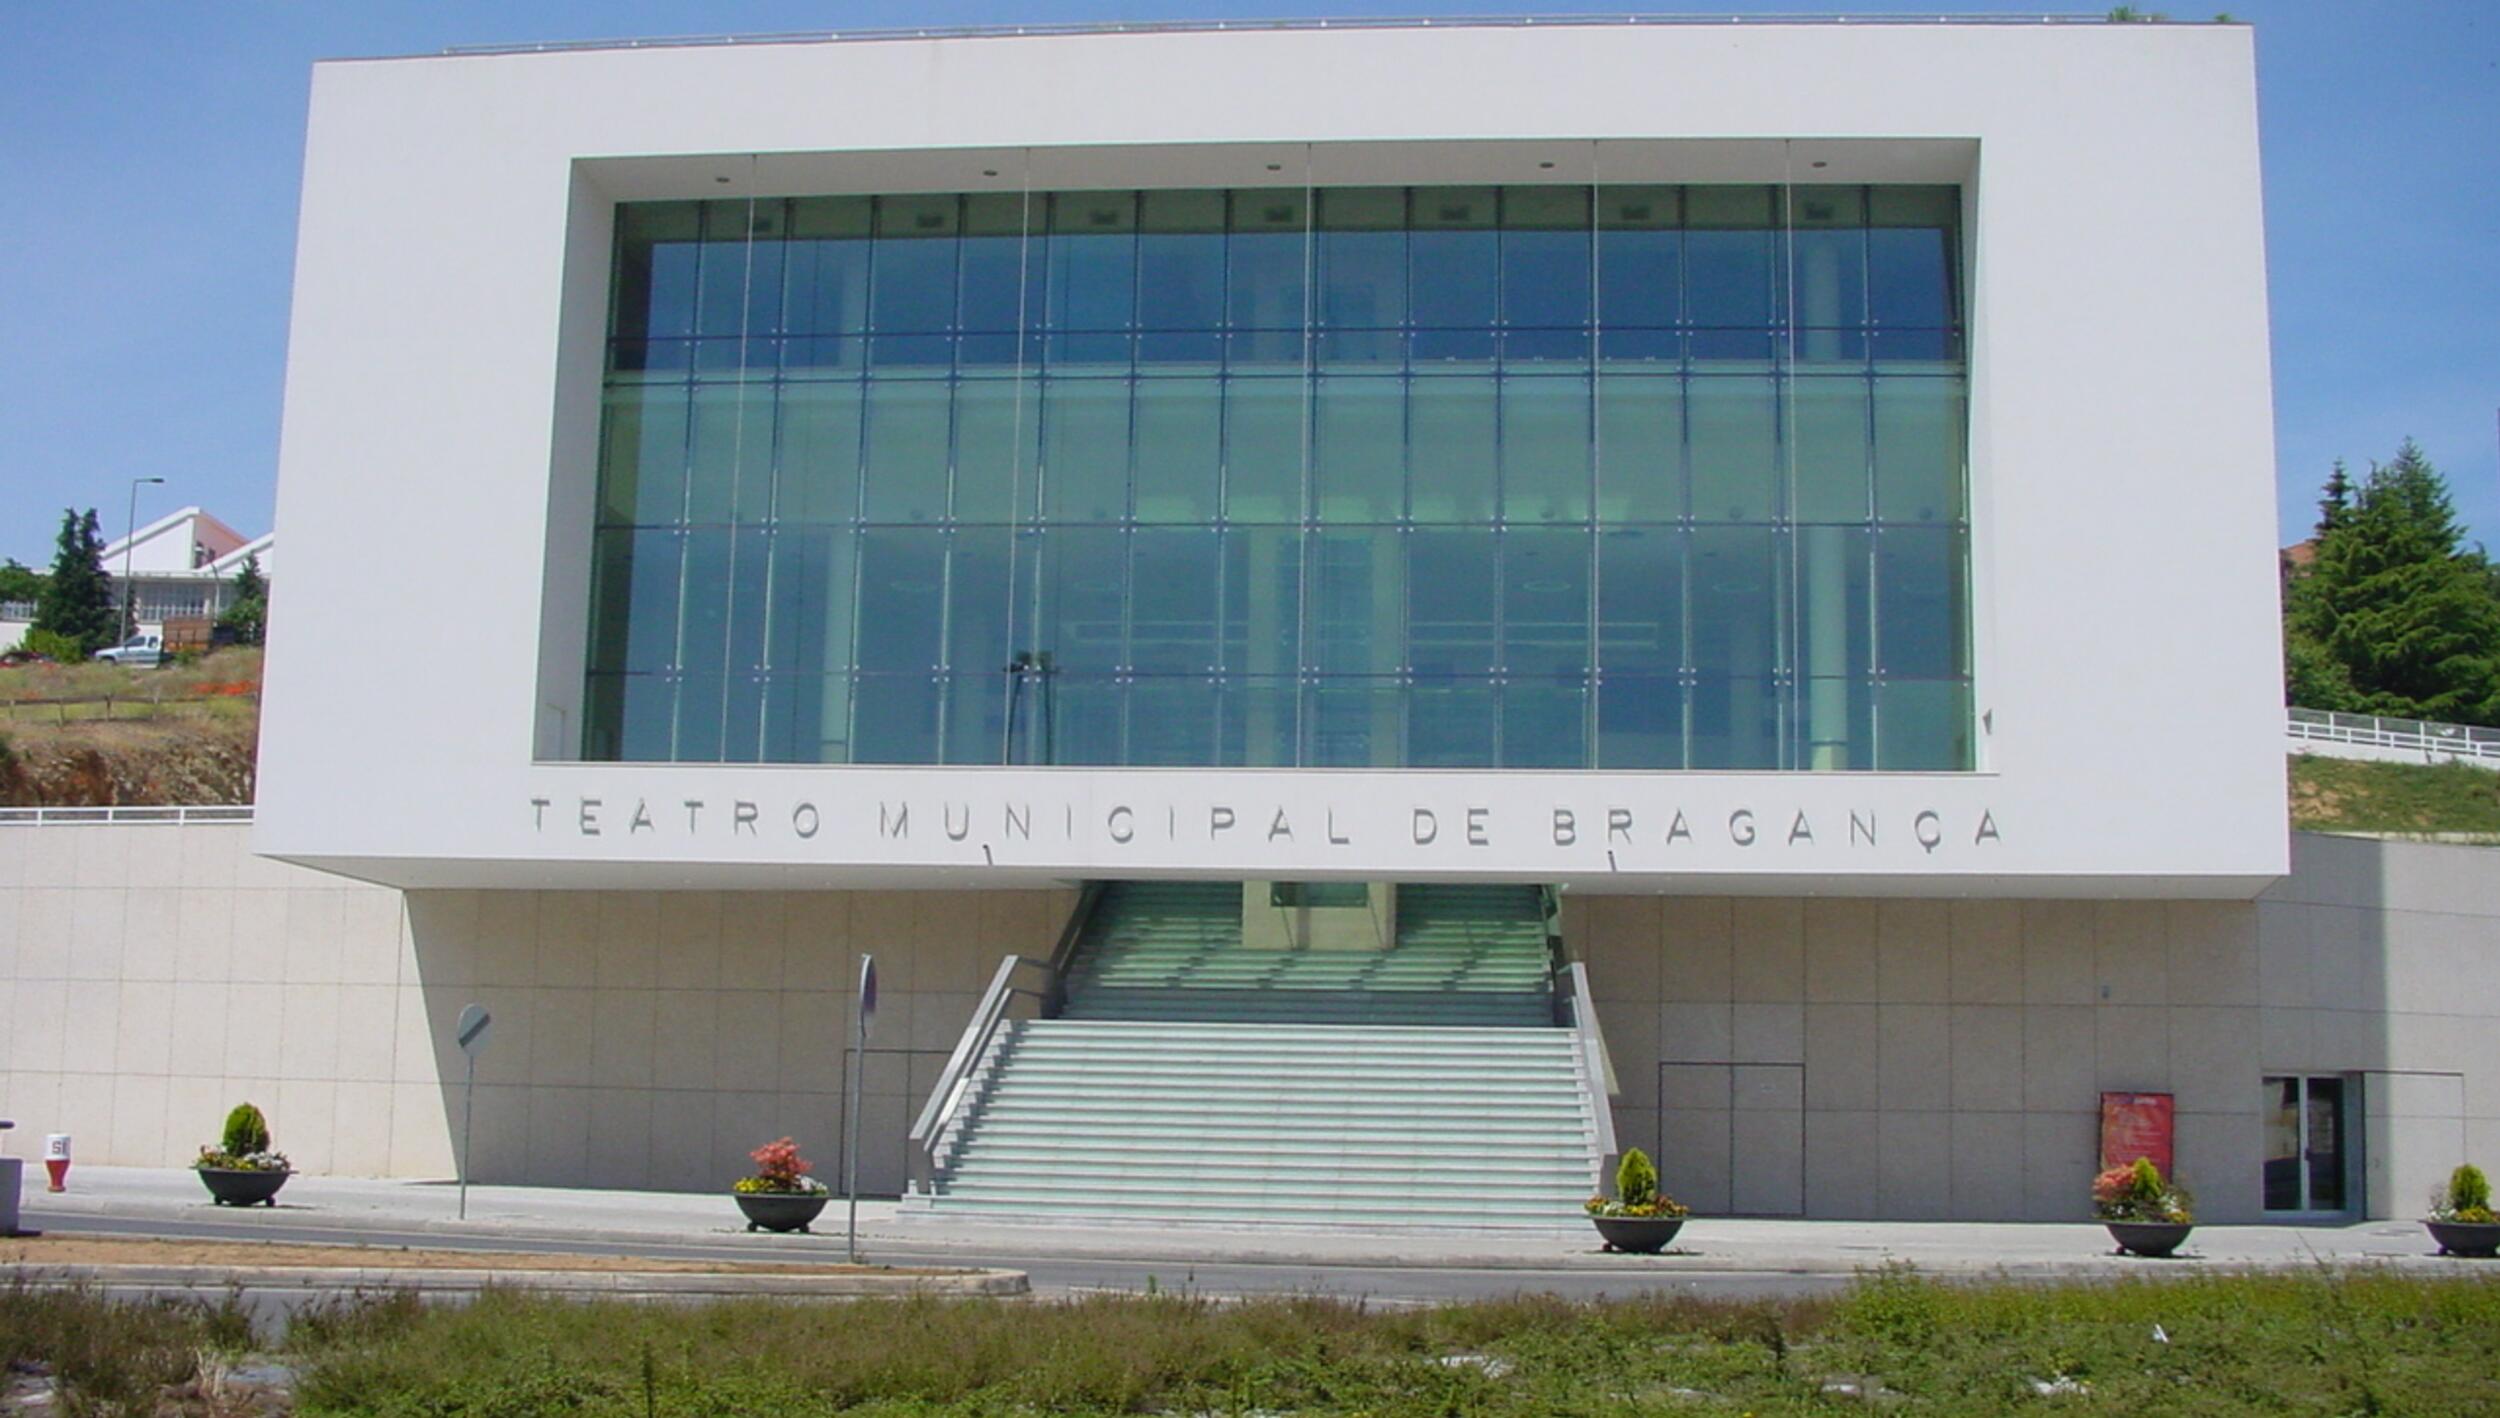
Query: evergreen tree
x=247, y=614
x=2397, y=604
x=2335, y=508
x=77, y=602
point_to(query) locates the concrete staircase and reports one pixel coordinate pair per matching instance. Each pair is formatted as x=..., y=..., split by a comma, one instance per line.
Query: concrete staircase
x=1190, y=1080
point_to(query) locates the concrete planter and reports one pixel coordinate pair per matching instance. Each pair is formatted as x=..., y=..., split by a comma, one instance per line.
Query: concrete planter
x=2149, y=1238
x=2480, y=1239
x=781, y=1211
x=231, y=1186
x=1641, y=1235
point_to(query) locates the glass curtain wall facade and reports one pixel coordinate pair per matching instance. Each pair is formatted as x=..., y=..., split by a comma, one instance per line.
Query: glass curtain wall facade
x=1549, y=477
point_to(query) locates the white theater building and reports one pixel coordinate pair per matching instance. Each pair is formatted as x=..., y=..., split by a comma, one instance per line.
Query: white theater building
x=1464, y=596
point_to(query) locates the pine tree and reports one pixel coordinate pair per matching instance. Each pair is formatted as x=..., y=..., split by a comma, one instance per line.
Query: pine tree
x=247, y=614
x=2335, y=508
x=77, y=601
x=2396, y=602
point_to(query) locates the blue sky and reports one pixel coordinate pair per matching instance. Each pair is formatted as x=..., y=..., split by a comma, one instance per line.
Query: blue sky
x=149, y=157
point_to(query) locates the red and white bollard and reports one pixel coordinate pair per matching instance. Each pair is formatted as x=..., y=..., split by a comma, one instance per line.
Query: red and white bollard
x=56, y=1159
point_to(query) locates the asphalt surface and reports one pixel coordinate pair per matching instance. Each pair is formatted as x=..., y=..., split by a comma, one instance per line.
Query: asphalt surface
x=1052, y=1275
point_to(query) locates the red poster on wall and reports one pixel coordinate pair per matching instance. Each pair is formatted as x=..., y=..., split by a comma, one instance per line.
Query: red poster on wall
x=2135, y=1125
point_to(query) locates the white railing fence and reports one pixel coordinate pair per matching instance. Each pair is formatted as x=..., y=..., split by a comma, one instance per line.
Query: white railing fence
x=2413, y=735
x=124, y=816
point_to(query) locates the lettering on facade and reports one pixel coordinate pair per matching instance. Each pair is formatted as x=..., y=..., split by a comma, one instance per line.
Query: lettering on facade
x=1628, y=829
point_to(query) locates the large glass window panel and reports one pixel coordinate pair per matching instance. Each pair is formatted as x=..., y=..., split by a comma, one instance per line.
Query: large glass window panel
x=819, y=428
x=1546, y=249
x=1180, y=277
x=1640, y=722
x=1919, y=423
x=1092, y=278
x=1359, y=457
x=1083, y=585
x=1731, y=271
x=642, y=467
x=998, y=456
x=902, y=599
x=1081, y=719
x=1267, y=277
x=1085, y=449
x=1640, y=273
x=1179, y=449
x=1545, y=448
x=635, y=580
x=1545, y=723
x=703, y=610
x=1352, y=722
x=1177, y=584
x=1732, y=427
x=1357, y=603
x=741, y=280
x=1259, y=721
x=1923, y=726
x=990, y=292
x=1454, y=260
x=1362, y=272
x=1911, y=258
x=750, y=605
x=911, y=298
x=1828, y=270
x=1452, y=723
x=630, y=718
x=1263, y=601
x=1833, y=653
x=827, y=282
x=1451, y=599
x=1640, y=447
x=976, y=715
x=814, y=572
x=1454, y=432
x=1919, y=616
x=657, y=261
x=907, y=452
x=1172, y=722
x=1545, y=601
x=894, y=718
x=1640, y=601
x=1733, y=723
x=1832, y=426
x=1737, y=587
x=729, y=472
x=702, y=706
x=979, y=571
x=1263, y=425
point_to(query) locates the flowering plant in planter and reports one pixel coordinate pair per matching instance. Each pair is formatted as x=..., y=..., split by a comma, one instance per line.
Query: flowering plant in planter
x=1637, y=1194
x=2138, y=1192
x=244, y=1145
x=780, y=1171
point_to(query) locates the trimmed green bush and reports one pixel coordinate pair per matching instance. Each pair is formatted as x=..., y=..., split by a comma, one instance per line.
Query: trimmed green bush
x=247, y=1132
x=1636, y=1181
x=2468, y=1190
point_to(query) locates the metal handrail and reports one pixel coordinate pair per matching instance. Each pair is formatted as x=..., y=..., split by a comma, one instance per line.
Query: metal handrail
x=1597, y=1064
x=1063, y=951
x=126, y=815
x=947, y=1095
x=2329, y=726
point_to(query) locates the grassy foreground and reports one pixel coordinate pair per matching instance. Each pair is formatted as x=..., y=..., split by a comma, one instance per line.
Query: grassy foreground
x=2349, y=795
x=2355, y=1342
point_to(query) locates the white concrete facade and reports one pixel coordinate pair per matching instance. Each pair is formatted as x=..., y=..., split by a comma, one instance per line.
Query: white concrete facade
x=464, y=204
x=1843, y=1057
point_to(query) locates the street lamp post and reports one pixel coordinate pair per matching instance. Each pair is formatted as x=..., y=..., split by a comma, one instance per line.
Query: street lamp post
x=130, y=538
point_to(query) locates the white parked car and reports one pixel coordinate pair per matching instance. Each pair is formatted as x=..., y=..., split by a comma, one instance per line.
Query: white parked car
x=138, y=652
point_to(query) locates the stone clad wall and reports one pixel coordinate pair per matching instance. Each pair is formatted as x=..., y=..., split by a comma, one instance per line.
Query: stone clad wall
x=1944, y=1059
x=152, y=976
x=1826, y=1057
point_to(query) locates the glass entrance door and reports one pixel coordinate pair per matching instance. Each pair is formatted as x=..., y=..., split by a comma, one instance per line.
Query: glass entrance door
x=2306, y=1128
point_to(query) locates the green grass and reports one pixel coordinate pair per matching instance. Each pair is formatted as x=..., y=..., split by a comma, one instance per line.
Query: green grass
x=2353, y=1342
x=2345, y=795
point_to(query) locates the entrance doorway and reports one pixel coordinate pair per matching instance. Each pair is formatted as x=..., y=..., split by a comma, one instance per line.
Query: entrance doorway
x=2309, y=1154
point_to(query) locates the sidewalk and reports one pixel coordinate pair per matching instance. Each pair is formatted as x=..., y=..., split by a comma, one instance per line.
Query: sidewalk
x=389, y=1211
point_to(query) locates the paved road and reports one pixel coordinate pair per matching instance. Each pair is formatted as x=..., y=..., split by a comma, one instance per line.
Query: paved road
x=1052, y=1275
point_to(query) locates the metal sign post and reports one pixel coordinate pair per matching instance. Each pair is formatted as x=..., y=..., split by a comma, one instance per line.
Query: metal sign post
x=850, y=1115
x=470, y=1033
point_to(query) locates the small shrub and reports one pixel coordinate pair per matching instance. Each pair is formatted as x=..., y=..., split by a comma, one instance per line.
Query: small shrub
x=2139, y=1192
x=244, y=1145
x=1636, y=1191
x=2466, y=1198
x=54, y=646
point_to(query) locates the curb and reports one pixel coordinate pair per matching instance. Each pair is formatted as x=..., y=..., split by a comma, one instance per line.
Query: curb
x=614, y=1284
